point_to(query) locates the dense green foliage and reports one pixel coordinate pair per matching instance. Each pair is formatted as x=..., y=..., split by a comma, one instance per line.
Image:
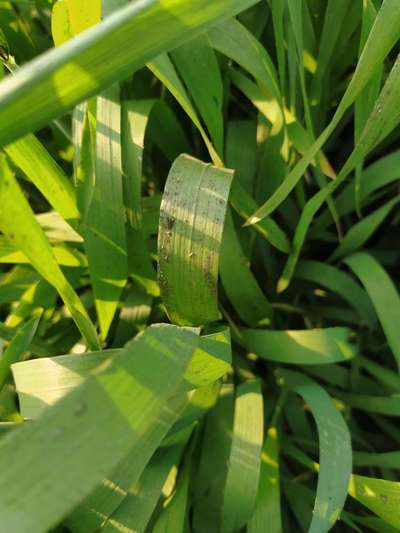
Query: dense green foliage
x=199, y=306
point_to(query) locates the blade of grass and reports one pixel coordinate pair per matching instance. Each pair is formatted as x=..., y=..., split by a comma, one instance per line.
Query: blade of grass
x=385, y=405
x=379, y=495
x=383, y=294
x=63, y=255
x=384, y=375
x=103, y=225
x=268, y=506
x=334, y=17
x=136, y=115
x=18, y=345
x=335, y=450
x=363, y=230
x=340, y=283
x=241, y=151
x=198, y=67
x=245, y=457
x=365, y=102
x=135, y=511
x=243, y=204
x=173, y=517
x=42, y=382
x=163, y=68
x=377, y=175
x=306, y=347
x=213, y=464
x=19, y=225
x=382, y=460
x=240, y=284
x=36, y=163
x=94, y=510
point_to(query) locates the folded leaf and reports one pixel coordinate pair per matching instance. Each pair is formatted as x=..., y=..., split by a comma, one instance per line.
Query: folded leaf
x=191, y=223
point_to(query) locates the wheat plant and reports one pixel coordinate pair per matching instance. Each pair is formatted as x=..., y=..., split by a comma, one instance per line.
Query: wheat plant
x=199, y=251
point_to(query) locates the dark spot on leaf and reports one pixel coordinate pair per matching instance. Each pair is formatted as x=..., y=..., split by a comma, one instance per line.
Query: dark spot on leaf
x=80, y=408
x=210, y=281
x=170, y=222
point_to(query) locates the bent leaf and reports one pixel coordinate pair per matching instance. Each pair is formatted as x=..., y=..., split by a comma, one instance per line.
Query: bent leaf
x=192, y=217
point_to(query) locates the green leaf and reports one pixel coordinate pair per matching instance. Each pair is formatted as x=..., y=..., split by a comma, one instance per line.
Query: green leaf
x=241, y=151
x=385, y=405
x=374, y=523
x=383, y=294
x=19, y=225
x=71, y=17
x=38, y=297
x=163, y=68
x=94, y=510
x=335, y=13
x=232, y=39
x=213, y=464
x=135, y=511
x=42, y=382
x=63, y=255
x=278, y=12
x=382, y=460
x=363, y=230
x=383, y=119
x=174, y=514
x=34, y=160
x=198, y=67
x=135, y=119
x=377, y=175
x=37, y=347
x=340, y=283
x=386, y=376
x=239, y=283
x=190, y=233
x=240, y=199
x=18, y=345
x=201, y=400
x=110, y=51
x=379, y=495
x=381, y=39
x=103, y=225
x=245, y=457
x=243, y=204
x=115, y=407
x=56, y=228
x=268, y=505
x=366, y=100
x=302, y=347
x=335, y=450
